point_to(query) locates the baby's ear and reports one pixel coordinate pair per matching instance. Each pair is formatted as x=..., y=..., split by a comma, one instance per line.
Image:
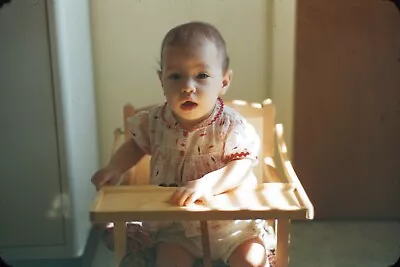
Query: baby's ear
x=159, y=73
x=226, y=81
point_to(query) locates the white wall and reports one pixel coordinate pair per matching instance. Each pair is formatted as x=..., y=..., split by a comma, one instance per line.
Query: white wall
x=127, y=38
x=283, y=43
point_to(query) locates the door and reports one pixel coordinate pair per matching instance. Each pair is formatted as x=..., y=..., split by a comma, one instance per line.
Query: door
x=29, y=162
x=347, y=107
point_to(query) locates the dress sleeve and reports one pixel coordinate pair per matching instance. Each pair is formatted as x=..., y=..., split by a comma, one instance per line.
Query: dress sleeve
x=242, y=142
x=139, y=127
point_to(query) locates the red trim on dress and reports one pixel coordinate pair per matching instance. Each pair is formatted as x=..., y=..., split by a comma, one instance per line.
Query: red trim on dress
x=235, y=156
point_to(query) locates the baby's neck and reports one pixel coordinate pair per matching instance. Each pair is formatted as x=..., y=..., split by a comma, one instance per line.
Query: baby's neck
x=190, y=124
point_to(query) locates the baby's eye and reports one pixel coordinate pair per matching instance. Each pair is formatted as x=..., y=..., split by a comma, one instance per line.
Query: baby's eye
x=202, y=76
x=174, y=76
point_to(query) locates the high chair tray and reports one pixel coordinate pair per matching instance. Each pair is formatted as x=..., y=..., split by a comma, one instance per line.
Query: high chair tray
x=150, y=202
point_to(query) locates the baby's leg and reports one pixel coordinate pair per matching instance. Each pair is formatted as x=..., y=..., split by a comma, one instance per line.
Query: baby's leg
x=173, y=255
x=251, y=253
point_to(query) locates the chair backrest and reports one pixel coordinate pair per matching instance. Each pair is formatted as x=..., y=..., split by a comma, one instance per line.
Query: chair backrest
x=260, y=115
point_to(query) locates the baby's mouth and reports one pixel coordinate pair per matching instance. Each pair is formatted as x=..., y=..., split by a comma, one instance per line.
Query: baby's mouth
x=188, y=105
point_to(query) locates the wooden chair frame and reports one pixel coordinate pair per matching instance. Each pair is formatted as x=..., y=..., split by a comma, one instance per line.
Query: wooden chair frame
x=271, y=176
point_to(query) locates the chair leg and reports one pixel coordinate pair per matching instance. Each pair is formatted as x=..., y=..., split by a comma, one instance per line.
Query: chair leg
x=282, y=248
x=205, y=240
x=119, y=241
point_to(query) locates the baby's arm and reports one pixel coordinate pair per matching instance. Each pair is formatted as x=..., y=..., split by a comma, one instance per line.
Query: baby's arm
x=126, y=156
x=236, y=173
x=233, y=175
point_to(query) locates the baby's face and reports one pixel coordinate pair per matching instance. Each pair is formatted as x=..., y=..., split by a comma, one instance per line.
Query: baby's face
x=192, y=79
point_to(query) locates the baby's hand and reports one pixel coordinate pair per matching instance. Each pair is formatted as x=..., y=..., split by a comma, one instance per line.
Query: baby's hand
x=198, y=190
x=106, y=176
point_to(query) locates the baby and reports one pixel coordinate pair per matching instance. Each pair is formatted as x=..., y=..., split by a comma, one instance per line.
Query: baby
x=197, y=144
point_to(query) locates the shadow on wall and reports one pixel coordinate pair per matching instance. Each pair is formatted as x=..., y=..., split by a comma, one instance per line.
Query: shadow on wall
x=2, y=263
x=397, y=263
x=2, y=2
x=396, y=2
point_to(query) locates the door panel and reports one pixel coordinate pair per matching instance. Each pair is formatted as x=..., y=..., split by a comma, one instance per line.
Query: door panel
x=347, y=107
x=29, y=168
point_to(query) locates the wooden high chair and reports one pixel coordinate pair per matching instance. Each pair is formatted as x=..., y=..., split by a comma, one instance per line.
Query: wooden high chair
x=279, y=197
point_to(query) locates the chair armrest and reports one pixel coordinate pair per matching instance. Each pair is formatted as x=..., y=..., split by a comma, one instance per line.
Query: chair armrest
x=270, y=173
x=290, y=172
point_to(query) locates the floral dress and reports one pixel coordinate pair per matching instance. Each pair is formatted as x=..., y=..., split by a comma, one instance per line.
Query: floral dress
x=179, y=156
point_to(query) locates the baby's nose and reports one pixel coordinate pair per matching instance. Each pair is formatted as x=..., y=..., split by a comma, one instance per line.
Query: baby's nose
x=188, y=90
x=189, y=87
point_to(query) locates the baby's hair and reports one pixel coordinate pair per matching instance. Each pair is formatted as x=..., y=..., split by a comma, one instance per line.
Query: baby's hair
x=194, y=32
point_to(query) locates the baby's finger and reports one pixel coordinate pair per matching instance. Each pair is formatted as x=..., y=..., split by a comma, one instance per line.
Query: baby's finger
x=99, y=184
x=184, y=197
x=173, y=198
x=176, y=196
x=191, y=199
x=205, y=200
